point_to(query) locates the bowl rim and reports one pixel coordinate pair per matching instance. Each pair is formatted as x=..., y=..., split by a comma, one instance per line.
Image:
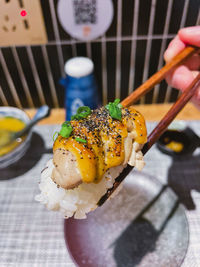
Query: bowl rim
x=18, y=110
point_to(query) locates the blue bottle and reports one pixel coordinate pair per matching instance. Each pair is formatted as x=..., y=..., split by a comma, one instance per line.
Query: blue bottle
x=80, y=85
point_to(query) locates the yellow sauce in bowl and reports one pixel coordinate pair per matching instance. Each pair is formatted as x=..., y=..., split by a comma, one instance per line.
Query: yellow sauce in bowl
x=175, y=146
x=10, y=124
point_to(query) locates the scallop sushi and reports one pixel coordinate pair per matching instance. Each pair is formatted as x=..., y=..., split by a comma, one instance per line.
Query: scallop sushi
x=90, y=151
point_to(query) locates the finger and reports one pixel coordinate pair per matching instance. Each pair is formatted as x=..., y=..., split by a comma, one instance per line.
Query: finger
x=190, y=35
x=180, y=78
x=196, y=98
x=193, y=63
x=175, y=47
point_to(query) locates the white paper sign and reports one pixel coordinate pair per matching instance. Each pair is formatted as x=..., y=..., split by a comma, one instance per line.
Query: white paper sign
x=85, y=19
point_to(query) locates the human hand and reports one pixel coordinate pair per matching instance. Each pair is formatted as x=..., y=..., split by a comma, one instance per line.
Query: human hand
x=183, y=75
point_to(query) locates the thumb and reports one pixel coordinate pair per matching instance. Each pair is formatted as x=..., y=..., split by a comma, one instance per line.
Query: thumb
x=190, y=35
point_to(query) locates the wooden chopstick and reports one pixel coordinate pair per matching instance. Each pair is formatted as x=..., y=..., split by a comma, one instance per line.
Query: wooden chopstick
x=157, y=132
x=172, y=113
x=159, y=76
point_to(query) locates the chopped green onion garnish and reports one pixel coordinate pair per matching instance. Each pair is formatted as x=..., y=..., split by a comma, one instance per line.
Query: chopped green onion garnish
x=116, y=101
x=80, y=140
x=82, y=112
x=55, y=135
x=66, y=129
x=114, y=109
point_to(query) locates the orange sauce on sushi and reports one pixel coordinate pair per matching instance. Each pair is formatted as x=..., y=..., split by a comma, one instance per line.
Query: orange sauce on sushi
x=84, y=156
x=105, y=142
x=140, y=126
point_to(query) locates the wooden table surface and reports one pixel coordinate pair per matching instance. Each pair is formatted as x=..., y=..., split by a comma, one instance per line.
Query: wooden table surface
x=152, y=112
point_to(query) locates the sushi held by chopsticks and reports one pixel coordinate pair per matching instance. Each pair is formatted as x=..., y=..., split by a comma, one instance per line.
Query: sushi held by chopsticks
x=89, y=152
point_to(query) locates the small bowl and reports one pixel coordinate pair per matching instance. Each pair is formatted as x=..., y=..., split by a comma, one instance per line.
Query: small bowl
x=21, y=149
x=178, y=132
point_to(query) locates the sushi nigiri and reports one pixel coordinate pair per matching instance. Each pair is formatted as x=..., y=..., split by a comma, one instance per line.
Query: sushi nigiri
x=89, y=152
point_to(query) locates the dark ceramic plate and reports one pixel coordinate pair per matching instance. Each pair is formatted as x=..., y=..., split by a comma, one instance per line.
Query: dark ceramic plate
x=143, y=226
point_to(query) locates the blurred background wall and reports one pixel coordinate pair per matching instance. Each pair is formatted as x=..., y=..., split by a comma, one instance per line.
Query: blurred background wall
x=130, y=51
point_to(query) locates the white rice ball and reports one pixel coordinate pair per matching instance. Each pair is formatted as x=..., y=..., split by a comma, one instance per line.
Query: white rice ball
x=78, y=201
